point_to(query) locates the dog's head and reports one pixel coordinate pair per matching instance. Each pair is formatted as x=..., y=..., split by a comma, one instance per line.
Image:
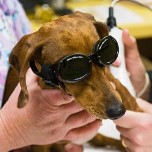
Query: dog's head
x=75, y=33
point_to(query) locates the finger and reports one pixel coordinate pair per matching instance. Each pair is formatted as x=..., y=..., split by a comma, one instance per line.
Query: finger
x=131, y=147
x=126, y=121
x=56, y=97
x=130, y=43
x=71, y=108
x=134, y=135
x=140, y=149
x=79, y=119
x=73, y=148
x=82, y=132
x=132, y=119
x=124, y=132
x=128, y=39
x=138, y=136
x=117, y=62
x=31, y=78
x=128, y=144
x=123, y=141
x=130, y=46
x=144, y=105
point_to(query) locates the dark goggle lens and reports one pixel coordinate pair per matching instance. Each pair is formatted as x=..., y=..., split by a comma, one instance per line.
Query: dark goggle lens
x=107, y=50
x=74, y=68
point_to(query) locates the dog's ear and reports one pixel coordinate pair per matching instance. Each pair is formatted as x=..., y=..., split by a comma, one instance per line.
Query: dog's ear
x=20, y=57
x=14, y=57
x=101, y=29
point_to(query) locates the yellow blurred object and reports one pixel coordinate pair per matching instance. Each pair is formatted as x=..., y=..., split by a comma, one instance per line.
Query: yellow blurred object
x=44, y=13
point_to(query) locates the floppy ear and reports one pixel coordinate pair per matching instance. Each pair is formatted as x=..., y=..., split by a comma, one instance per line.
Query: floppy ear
x=20, y=57
x=101, y=29
x=14, y=57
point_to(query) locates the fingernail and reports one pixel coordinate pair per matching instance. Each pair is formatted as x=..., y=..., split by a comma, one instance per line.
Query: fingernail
x=118, y=61
x=127, y=32
x=68, y=147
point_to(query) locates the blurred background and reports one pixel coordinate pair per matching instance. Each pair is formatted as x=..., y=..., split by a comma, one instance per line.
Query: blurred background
x=131, y=16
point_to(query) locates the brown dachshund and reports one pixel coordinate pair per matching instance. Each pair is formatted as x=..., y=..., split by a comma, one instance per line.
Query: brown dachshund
x=103, y=96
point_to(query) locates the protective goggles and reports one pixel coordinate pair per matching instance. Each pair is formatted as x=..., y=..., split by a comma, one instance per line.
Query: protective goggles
x=76, y=67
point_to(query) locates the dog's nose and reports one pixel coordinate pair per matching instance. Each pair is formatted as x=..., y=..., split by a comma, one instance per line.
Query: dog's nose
x=115, y=111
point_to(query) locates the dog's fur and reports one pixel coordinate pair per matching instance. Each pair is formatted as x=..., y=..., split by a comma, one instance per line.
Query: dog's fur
x=75, y=33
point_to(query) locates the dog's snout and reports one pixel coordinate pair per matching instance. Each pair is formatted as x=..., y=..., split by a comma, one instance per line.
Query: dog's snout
x=115, y=111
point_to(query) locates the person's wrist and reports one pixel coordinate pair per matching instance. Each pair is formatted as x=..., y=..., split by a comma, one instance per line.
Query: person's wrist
x=5, y=144
x=10, y=132
x=145, y=89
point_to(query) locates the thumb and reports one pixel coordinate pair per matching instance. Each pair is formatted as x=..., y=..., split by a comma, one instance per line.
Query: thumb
x=144, y=105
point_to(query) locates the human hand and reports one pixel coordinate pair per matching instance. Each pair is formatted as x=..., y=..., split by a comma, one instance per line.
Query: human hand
x=73, y=148
x=134, y=66
x=49, y=116
x=134, y=63
x=135, y=128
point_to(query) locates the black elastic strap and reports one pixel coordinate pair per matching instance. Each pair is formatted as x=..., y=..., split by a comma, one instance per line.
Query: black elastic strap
x=34, y=68
x=46, y=73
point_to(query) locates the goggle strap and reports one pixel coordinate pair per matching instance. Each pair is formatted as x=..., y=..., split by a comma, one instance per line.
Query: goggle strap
x=34, y=68
x=46, y=74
